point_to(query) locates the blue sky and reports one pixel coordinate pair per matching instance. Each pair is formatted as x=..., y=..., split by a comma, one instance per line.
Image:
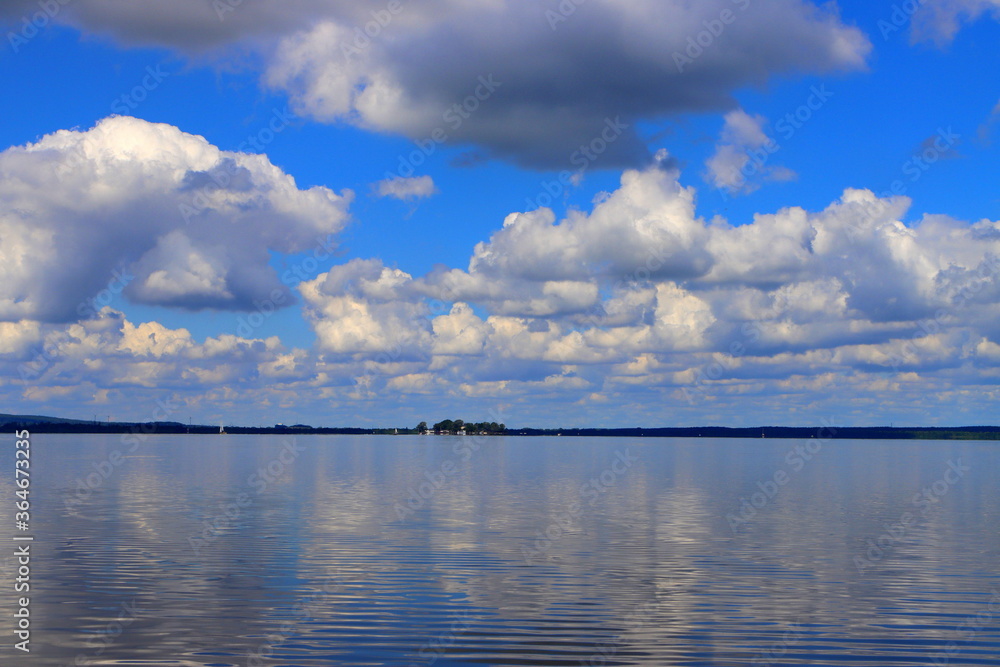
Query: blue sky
x=719, y=260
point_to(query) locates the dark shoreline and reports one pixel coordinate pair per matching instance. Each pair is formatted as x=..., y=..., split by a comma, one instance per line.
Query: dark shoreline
x=11, y=423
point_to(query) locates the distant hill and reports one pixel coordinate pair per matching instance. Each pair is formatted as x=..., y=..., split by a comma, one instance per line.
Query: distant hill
x=39, y=419
x=43, y=424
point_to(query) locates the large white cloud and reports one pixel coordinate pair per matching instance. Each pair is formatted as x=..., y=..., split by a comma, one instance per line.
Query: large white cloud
x=794, y=312
x=147, y=371
x=147, y=209
x=527, y=81
x=639, y=294
x=648, y=222
x=536, y=83
x=364, y=307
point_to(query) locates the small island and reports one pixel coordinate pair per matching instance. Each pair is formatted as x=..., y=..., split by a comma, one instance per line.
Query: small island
x=460, y=427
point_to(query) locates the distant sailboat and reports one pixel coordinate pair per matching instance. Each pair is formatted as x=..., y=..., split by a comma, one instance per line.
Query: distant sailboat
x=222, y=431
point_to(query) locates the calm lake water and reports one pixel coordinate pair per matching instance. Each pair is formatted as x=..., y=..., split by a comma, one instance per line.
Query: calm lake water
x=409, y=550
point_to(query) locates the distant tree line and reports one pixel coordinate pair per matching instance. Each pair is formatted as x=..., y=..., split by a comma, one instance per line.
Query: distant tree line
x=449, y=426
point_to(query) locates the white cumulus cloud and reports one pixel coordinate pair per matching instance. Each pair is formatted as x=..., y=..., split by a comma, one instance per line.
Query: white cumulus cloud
x=148, y=210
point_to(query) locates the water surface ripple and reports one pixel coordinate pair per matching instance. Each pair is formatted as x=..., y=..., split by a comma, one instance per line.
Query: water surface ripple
x=408, y=550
